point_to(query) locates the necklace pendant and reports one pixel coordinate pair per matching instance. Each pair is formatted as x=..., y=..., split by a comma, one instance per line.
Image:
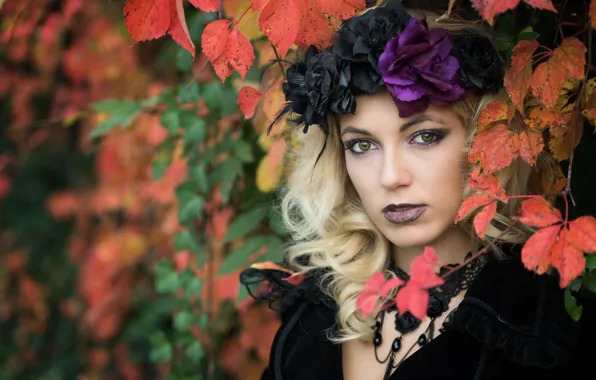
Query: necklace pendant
x=378, y=339
x=396, y=344
x=422, y=340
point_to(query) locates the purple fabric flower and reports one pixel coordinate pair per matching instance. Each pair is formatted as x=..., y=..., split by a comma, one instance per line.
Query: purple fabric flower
x=418, y=68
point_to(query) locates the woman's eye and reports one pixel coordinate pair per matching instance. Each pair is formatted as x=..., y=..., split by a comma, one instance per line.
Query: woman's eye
x=359, y=146
x=427, y=138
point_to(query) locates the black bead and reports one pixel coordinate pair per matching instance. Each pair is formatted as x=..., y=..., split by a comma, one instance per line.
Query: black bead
x=396, y=345
x=422, y=340
x=378, y=339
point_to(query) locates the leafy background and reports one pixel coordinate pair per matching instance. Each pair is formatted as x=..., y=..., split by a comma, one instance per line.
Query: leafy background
x=133, y=190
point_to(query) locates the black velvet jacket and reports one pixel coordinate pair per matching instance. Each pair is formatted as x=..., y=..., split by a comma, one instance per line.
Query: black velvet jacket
x=511, y=325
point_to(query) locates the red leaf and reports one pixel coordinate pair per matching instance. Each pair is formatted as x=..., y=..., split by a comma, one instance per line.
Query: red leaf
x=240, y=53
x=206, y=5
x=483, y=219
x=582, y=233
x=487, y=183
x=147, y=19
x=342, y=9
x=368, y=299
x=488, y=9
x=390, y=285
x=414, y=296
x=541, y=4
x=471, y=203
x=178, y=29
x=537, y=212
x=495, y=147
x=567, y=258
x=280, y=21
x=258, y=4
x=536, y=253
x=315, y=27
x=530, y=145
x=296, y=278
x=248, y=97
x=518, y=77
x=214, y=39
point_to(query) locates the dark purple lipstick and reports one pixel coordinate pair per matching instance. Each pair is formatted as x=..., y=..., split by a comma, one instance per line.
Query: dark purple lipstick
x=403, y=212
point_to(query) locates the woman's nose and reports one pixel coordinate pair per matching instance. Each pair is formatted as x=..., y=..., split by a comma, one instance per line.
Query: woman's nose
x=395, y=172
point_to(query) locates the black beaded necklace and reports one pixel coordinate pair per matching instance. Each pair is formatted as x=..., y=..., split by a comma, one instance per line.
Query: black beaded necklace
x=439, y=298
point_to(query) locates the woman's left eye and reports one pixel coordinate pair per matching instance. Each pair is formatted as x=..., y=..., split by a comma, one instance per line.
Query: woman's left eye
x=427, y=137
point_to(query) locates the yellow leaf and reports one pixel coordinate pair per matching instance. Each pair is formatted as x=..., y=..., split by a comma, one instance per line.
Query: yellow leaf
x=249, y=25
x=266, y=182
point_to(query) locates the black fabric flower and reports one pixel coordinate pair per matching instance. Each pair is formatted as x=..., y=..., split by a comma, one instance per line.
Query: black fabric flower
x=481, y=66
x=316, y=85
x=361, y=40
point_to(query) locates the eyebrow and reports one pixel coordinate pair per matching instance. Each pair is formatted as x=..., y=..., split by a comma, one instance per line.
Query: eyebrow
x=418, y=119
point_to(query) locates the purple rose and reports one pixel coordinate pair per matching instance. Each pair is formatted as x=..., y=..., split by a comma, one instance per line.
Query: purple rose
x=418, y=68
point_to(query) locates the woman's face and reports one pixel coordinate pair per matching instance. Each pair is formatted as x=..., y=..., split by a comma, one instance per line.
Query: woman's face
x=407, y=172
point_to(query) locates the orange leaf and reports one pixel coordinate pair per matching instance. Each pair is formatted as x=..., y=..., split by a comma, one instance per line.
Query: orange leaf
x=547, y=82
x=471, y=203
x=488, y=9
x=493, y=112
x=536, y=253
x=590, y=115
x=593, y=14
x=147, y=19
x=248, y=97
x=518, y=77
x=272, y=265
x=570, y=57
x=540, y=118
x=567, y=258
x=178, y=29
x=561, y=138
x=214, y=39
x=258, y=4
x=483, y=219
x=280, y=21
x=537, y=212
x=487, y=183
x=495, y=147
x=206, y=5
x=315, y=27
x=530, y=145
x=342, y=9
x=582, y=233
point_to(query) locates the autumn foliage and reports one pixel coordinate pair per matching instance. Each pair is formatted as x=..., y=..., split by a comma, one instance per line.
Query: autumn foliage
x=137, y=176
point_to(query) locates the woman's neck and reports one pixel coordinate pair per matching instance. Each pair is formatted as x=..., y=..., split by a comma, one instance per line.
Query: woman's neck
x=451, y=248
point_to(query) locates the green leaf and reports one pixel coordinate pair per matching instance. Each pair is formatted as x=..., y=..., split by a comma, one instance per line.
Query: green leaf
x=189, y=92
x=276, y=223
x=245, y=223
x=184, y=60
x=591, y=261
x=242, y=293
x=243, y=151
x=190, y=208
x=528, y=34
x=183, y=320
x=227, y=171
x=194, y=351
x=229, y=104
x=185, y=240
x=170, y=120
x=161, y=349
x=194, y=127
x=589, y=281
x=198, y=176
x=122, y=113
x=225, y=190
x=159, y=168
x=574, y=311
x=239, y=256
x=213, y=94
x=166, y=278
x=203, y=321
x=194, y=287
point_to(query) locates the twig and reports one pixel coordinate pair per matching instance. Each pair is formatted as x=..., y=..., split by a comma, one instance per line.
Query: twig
x=281, y=66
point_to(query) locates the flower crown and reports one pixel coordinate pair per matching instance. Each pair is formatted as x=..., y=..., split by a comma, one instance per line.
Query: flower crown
x=387, y=47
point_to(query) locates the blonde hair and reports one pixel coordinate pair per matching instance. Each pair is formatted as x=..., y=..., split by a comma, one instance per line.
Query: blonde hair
x=330, y=230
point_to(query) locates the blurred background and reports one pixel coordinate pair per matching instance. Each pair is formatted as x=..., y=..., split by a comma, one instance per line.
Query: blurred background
x=132, y=193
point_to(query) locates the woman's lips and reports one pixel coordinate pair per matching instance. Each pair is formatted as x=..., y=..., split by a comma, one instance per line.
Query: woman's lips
x=405, y=215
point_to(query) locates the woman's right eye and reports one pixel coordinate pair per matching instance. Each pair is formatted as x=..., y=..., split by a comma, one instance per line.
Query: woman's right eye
x=359, y=146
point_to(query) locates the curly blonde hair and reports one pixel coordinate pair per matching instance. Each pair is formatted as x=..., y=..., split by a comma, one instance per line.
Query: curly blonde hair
x=330, y=230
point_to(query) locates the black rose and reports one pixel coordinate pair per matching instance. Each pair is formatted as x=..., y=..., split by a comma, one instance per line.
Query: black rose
x=361, y=40
x=437, y=305
x=481, y=65
x=406, y=322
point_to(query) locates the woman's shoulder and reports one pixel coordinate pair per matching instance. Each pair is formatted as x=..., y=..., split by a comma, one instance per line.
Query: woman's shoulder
x=522, y=315
x=301, y=348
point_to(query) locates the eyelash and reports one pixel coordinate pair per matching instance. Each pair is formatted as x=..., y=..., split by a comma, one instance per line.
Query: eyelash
x=439, y=135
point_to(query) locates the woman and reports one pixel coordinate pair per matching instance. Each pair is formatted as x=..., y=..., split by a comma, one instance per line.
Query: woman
x=395, y=100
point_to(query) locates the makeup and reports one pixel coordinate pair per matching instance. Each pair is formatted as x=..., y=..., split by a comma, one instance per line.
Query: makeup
x=403, y=212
